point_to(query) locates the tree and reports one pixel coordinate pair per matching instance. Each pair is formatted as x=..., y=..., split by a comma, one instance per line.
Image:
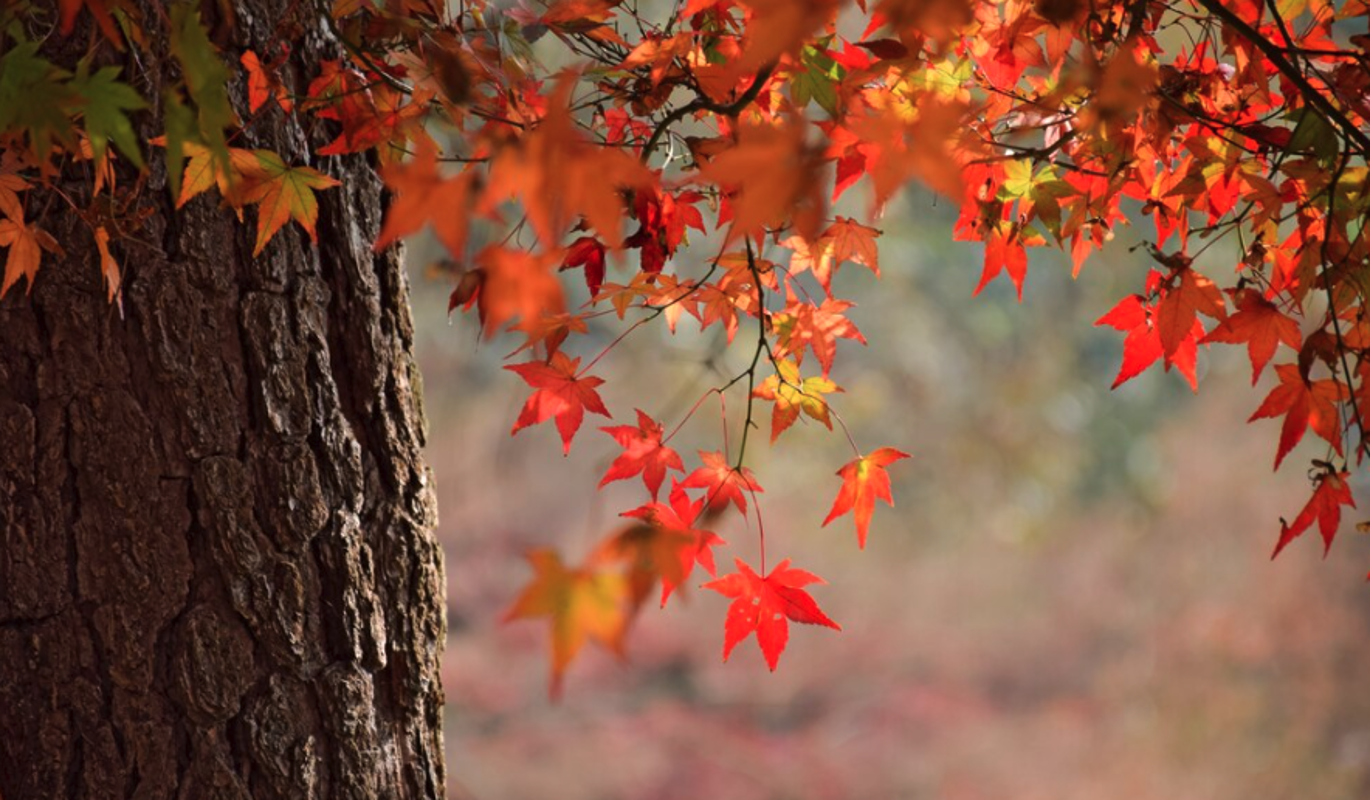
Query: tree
x=217, y=574
x=739, y=124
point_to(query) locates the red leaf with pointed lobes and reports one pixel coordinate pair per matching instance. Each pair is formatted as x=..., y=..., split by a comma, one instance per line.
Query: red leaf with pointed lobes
x=1179, y=307
x=1302, y=403
x=1261, y=325
x=818, y=327
x=560, y=395
x=1142, y=347
x=864, y=481
x=724, y=483
x=1004, y=251
x=579, y=603
x=765, y=606
x=846, y=240
x=1330, y=494
x=587, y=252
x=667, y=545
x=643, y=453
x=263, y=84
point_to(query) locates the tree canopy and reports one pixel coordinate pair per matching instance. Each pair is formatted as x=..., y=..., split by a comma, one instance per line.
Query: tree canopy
x=689, y=160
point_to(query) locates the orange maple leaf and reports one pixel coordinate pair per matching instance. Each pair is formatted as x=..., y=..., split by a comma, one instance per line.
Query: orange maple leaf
x=517, y=283
x=793, y=394
x=764, y=606
x=283, y=193
x=25, y=253
x=424, y=196
x=773, y=176
x=579, y=603
x=663, y=543
x=817, y=327
x=846, y=240
x=560, y=395
x=559, y=175
x=1179, y=307
x=864, y=480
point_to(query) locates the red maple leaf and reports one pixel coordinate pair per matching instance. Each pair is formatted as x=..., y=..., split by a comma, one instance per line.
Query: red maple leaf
x=643, y=452
x=1261, y=325
x=587, y=252
x=864, y=481
x=724, y=482
x=1142, y=347
x=560, y=395
x=1178, y=309
x=818, y=327
x=1302, y=403
x=765, y=605
x=664, y=545
x=1329, y=494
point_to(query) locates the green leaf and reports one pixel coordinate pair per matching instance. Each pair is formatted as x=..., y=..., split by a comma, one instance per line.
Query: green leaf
x=35, y=98
x=206, y=78
x=817, y=82
x=180, y=125
x=1313, y=134
x=105, y=101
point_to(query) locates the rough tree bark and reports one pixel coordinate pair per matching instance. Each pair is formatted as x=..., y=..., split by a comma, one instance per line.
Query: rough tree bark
x=217, y=573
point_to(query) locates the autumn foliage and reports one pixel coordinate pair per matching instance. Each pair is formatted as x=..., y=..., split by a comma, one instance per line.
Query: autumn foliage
x=732, y=128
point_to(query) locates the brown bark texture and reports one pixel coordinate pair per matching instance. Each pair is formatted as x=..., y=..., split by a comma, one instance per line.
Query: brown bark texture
x=218, y=578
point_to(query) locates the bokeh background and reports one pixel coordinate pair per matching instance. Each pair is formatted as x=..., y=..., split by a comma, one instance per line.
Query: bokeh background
x=1072, y=599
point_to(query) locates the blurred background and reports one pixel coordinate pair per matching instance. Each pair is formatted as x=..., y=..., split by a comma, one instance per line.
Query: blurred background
x=1072, y=599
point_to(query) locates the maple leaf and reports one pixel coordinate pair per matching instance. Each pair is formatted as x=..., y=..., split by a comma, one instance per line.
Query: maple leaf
x=559, y=175
x=1179, y=306
x=1142, y=347
x=765, y=606
x=724, y=483
x=1330, y=493
x=99, y=9
x=1302, y=403
x=643, y=453
x=587, y=252
x=1261, y=325
x=792, y=394
x=772, y=176
x=10, y=187
x=663, y=544
x=25, y=253
x=108, y=266
x=283, y=193
x=424, y=196
x=579, y=604
x=105, y=102
x=864, y=480
x=517, y=283
x=846, y=240
x=1004, y=251
x=560, y=395
x=263, y=84
x=818, y=327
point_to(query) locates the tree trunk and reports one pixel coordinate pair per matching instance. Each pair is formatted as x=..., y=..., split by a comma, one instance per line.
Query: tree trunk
x=217, y=573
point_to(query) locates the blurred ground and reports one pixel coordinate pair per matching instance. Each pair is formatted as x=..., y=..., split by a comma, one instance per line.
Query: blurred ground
x=1073, y=598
